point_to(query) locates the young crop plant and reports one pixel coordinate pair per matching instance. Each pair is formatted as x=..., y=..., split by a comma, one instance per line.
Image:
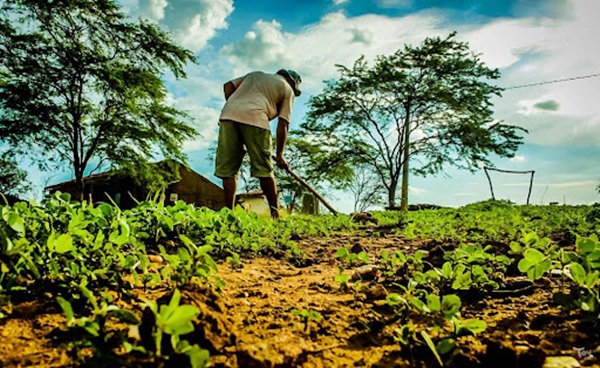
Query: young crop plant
x=190, y=263
x=584, y=271
x=93, y=331
x=470, y=266
x=174, y=320
x=352, y=259
x=306, y=316
x=400, y=268
x=437, y=326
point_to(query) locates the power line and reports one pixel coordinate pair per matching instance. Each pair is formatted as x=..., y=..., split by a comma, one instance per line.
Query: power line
x=553, y=81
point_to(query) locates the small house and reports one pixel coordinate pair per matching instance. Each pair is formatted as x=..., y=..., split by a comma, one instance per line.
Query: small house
x=254, y=202
x=122, y=189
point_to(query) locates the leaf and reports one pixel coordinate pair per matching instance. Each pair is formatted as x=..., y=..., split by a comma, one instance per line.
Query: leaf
x=431, y=346
x=450, y=305
x=445, y=346
x=586, y=245
x=63, y=244
x=473, y=325
x=577, y=272
x=533, y=255
x=342, y=253
x=537, y=271
x=198, y=357
x=524, y=265
x=433, y=303
x=591, y=279
x=125, y=316
x=447, y=270
x=515, y=247
x=16, y=223
x=66, y=308
x=180, y=322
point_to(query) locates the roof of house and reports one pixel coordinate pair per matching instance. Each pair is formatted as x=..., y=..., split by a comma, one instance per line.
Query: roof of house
x=107, y=175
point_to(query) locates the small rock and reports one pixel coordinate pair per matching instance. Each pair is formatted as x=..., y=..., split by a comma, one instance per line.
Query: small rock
x=561, y=362
x=133, y=333
x=376, y=292
x=155, y=259
x=367, y=272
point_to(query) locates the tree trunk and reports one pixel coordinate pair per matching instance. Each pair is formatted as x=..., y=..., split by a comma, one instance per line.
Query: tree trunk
x=79, y=188
x=392, y=193
x=406, y=148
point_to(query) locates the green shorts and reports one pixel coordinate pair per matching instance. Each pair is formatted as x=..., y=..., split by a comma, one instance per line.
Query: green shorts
x=234, y=140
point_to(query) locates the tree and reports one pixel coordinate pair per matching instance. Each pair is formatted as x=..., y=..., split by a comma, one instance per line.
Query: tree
x=430, y=104
x=13, y=180
x=366, y=188
x=81, y=84
x=323, y=168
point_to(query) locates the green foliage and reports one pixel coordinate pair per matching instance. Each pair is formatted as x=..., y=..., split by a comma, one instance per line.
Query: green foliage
x=439, y=88
x=82, y=83
x=584, y=270
x=441, y=328
x=306, y=316
x=496, y=221
x=315, y=164
x=13, y=180
x=176, y=320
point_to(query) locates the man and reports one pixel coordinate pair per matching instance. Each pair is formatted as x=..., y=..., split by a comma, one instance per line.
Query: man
x=251, y=103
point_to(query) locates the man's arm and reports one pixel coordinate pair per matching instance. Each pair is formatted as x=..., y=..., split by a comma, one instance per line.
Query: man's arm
x=281, y=137
x=228, y=89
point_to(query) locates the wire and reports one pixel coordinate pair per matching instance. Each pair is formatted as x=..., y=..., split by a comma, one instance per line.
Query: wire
x=553, y=81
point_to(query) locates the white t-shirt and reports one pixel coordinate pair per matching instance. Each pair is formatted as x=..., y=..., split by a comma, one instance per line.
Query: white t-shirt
x=259, y=98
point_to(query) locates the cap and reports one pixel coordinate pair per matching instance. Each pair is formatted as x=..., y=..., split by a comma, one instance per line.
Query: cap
x=294, y=78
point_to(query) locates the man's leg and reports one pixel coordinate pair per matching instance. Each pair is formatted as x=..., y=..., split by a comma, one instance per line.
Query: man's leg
x=230, y=153
x=229, y=189
x=269, y=189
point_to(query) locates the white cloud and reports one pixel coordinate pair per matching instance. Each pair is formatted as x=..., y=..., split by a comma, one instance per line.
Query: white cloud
x=416, y=191
x=538, y=49
x=518, y=158
x=336, y=39
x=339, y=2
x=152, y=9
x=192, y=22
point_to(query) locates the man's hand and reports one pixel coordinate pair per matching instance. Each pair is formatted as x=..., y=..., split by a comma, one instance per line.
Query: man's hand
x=281, y=163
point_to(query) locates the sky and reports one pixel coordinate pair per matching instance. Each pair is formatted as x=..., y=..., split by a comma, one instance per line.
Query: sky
x=529, y=41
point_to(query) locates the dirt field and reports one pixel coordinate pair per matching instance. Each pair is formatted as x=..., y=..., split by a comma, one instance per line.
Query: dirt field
x=250, y=323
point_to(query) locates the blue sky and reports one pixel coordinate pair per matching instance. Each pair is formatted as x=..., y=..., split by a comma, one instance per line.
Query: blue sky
x=528, y=40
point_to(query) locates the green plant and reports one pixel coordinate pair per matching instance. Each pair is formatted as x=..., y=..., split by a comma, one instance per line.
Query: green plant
x=534, y=263
x=584, y=271
x=93, y=331
x=306, y=316
x=441, y=328
x=351, y=258
x=176, y=320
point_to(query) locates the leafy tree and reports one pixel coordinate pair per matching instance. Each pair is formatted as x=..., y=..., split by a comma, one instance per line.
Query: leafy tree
x=429, y=104
x=81, y=84
x=317, y=164
x=13, y=179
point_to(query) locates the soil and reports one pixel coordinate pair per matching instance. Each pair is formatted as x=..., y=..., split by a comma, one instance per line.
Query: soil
x=249, y=323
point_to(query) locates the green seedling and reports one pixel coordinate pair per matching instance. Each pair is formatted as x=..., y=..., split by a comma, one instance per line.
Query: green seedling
x=306, y=316
x=176, y=320
x=534, y=263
